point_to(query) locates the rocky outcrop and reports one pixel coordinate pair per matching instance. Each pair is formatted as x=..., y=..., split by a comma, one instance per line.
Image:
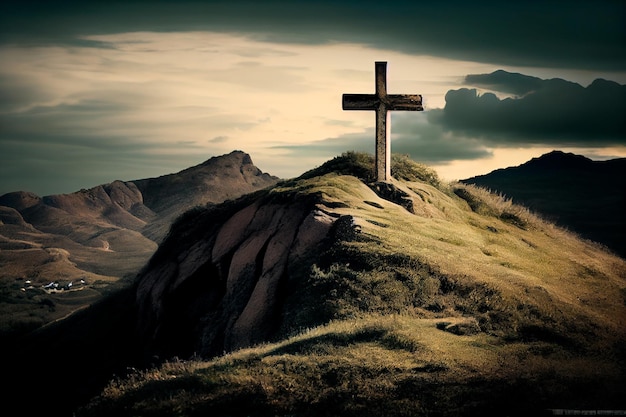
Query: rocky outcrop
x=390, y=192
x=218, y=179
x=237, y=271
x=215, y=180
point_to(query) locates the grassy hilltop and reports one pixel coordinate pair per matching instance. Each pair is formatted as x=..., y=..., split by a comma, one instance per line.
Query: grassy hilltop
x=438, y=299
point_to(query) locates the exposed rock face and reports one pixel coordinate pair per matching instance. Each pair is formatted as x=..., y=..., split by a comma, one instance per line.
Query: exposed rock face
x=391, y=192
x=237, y=272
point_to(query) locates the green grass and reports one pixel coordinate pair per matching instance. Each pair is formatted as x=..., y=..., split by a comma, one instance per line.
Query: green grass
x=469, y=305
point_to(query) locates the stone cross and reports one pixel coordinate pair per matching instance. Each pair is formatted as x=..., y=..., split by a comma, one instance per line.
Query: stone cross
x=382, y=103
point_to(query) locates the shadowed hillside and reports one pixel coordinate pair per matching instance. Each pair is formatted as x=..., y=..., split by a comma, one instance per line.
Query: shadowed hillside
x=585, y=196
x=331, y=295
x=79, y=244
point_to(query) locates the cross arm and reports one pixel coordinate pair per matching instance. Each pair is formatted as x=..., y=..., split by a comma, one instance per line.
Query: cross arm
x=360, y=101
x=410, y=102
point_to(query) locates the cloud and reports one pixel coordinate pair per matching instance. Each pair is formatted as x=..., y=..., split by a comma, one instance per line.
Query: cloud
x=545, y=112
x=471, y=126
x=429, y=143
x=269, y=78
x=65, y=147
x=68, y=112
x=218, y=139
x=548, y=33
x=506, y=82
x=54, y=167
x=411, y=135
x=83, y=98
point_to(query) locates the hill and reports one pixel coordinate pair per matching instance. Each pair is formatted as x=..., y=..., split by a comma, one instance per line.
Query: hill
x=585, y=196
x=332, y=295
x=79, y=244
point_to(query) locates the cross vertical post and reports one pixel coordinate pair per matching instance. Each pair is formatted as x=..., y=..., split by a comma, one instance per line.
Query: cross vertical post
x=382, y=103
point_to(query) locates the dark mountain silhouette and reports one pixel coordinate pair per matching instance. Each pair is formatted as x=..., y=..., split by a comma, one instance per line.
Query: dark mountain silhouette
x=102, y=234
x=352, y=298
x=585, y=196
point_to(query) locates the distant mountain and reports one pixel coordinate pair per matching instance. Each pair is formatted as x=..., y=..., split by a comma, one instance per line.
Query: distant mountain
x=97, y=236
x=331, y=295
x=585, y=196
x=214, y=181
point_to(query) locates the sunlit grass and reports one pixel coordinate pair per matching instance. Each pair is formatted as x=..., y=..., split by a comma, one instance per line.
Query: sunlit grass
x=373, y=364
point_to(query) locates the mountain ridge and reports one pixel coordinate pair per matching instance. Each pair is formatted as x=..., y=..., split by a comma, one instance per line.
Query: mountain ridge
x=158, y=191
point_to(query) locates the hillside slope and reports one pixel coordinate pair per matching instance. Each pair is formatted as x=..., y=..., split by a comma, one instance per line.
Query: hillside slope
x=585, y=196
x=406, y=298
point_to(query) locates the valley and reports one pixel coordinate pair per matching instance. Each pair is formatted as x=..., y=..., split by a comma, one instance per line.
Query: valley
x=102, y=236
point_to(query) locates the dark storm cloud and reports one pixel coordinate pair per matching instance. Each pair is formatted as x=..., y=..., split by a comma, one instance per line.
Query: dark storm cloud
x=411, y=135
x=506, y=82
x=575, y=34
x=429, y=143
x=546, y=112
x=27, y=165
x=55, y=162
x=17, y=92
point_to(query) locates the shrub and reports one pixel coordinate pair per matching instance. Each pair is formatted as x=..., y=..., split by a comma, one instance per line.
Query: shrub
x=404, y=168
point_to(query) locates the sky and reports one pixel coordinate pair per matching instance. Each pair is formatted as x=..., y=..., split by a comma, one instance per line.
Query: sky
x=92, y=92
